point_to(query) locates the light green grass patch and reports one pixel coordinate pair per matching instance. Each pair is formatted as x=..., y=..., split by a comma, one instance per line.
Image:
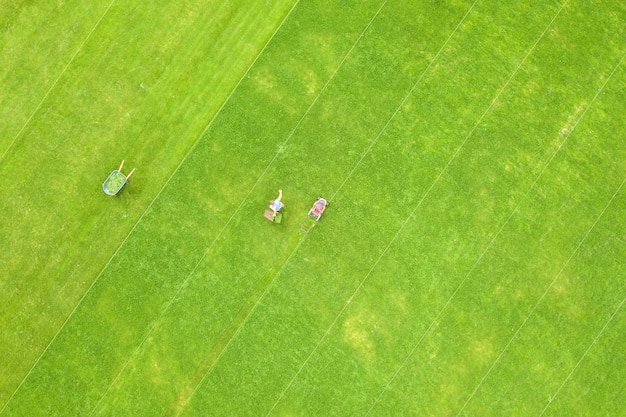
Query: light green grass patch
x=467, y=263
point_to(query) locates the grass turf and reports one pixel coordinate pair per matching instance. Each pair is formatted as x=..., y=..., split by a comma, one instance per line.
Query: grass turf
x=468, y=263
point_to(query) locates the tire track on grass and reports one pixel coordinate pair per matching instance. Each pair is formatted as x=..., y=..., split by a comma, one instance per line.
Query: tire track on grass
x=404, y=100
x=54, y=84
x=189, y=152
x=582, y=357
x=231, y=332
x=532, y=310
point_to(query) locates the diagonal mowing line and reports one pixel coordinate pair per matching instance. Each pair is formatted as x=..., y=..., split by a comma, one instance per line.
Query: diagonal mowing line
x=305, y=114
x=145, y=212
x=582, y=357
x=585, y=236
x=282, y=394
x=532, y=310
x=233, y=335
x=404, y=100
x=80, y=47
x=269, y=165
x=157, y=196
x=433, y=323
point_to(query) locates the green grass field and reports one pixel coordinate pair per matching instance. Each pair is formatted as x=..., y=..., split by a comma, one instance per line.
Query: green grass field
x=471, y=261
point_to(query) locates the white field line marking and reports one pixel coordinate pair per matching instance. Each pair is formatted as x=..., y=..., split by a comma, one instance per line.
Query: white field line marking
x=225, y=348
x=80, y=47
x=157, y=196
x=282, y=394
x=581, y=358
x=404, y=100
x=434, y=322
x=356, y=42
x=141, y=217
x=245, y=199
x=575, y=250
x=521, y=326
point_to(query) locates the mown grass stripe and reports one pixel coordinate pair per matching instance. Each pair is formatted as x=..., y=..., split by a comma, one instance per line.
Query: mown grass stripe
x=228, y=335
x=434, y=323
x=158, y=319
x=231, y=332
x=54, y=84
x=239, y=326
x=425, y=195
x=398, y=108
x=172, y=197
x=541, y=298
x=402, y=103
x=69, y=63
x=135, y=225
x=595, y=340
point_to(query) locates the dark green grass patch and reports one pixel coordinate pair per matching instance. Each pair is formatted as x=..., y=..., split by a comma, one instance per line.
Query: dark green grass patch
x=469, y=261
x=37, y=41
x=142, y=88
